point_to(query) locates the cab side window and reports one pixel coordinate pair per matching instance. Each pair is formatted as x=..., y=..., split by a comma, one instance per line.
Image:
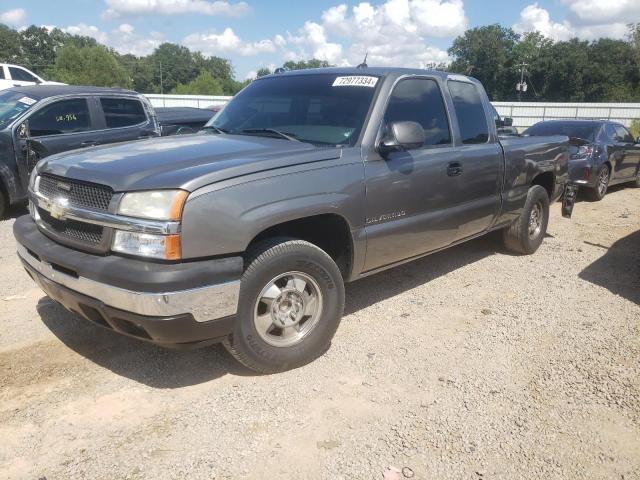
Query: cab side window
x=419, y=100
x=122, y=112
x=65, y=116
x=21, y=75
x=470, y=112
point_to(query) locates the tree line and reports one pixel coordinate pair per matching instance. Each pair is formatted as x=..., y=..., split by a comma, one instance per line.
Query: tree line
x=604, y=70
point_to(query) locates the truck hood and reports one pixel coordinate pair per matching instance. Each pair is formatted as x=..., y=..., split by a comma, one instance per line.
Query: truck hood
x=187, y=161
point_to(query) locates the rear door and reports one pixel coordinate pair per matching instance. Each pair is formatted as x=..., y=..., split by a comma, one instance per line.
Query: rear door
x=480, y=158
x=122, y=119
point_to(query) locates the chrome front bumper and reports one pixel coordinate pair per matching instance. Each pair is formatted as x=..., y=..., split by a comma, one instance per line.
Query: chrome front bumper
x=205, y=303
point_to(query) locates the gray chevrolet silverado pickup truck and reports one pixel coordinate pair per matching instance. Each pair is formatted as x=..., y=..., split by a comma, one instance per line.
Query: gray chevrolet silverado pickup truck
x=246, y=232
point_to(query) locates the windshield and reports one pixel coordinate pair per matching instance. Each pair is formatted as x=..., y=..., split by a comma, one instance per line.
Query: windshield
x=586, y=131
x=324, y=109
x=12, y=104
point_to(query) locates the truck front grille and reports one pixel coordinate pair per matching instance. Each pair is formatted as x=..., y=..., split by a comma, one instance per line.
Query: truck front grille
x=80, y=194
x=72, y=229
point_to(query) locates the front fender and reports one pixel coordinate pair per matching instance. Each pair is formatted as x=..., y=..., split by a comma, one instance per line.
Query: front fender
x=223, y=219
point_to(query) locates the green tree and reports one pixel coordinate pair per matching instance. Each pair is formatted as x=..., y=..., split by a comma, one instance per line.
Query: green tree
x=486, y=53
x=203, y=84
x=304, y=64
x=90, y=66
x=173, y=64
x=263, y=72
x=9, y=45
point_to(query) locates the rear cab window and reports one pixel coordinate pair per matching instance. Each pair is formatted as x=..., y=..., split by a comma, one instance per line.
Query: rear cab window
x=472, y=120
x=122, y=112
x=64, y=116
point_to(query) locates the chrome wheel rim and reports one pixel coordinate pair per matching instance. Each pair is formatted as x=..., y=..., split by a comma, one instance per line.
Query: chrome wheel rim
x=287, y=309
x=535, y=220
x=603, y=181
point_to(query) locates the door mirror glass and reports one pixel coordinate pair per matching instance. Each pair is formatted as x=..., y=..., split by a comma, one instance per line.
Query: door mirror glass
x=402, y=136
x=507, y=121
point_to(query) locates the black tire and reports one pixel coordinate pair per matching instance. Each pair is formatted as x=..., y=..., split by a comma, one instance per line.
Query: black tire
x=597, y=193
x=267, y=262
x=4, y=205
x=518, y=237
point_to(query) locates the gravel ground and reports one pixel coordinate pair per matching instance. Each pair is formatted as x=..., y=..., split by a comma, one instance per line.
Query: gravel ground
x=468, y=364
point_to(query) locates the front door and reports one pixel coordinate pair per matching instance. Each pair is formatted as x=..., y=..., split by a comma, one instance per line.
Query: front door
x=628, y=166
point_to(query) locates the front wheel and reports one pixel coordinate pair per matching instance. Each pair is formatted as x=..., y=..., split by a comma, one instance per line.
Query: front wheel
x=526, y=233
x=291, y=302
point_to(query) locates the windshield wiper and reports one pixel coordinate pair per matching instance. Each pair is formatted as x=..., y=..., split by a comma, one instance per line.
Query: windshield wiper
x=214, y=128
x=285, y=135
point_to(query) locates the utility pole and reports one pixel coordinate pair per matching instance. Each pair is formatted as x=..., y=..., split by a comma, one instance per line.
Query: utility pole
x=522, y=86
x=161, y=90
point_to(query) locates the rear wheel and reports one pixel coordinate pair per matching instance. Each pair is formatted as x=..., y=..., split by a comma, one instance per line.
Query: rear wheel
x=598, y=192
x=526, y=233
x=291, y=302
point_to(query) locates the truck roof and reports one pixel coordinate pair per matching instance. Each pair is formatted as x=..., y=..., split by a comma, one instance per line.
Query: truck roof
x=43, y=91
x=378, y=71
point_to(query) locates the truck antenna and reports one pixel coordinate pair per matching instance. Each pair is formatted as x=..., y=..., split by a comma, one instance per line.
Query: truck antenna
x=364, y=62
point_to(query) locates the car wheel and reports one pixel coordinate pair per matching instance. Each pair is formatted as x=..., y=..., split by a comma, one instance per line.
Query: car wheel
x=526, y=233
x=598, y=192
x=290, y=306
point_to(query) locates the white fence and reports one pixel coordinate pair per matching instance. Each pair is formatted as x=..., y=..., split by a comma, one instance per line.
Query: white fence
x=198, y=101
x=525, y=114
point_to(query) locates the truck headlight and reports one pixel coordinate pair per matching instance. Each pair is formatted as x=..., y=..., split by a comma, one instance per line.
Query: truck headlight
x=165, y=247
x=156, y=205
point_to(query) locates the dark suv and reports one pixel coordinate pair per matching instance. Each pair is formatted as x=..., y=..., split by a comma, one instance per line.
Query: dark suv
x=603, y=153
x=37, y=121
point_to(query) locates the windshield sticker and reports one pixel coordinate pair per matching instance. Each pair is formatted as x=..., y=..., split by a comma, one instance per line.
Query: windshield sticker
x=355, y=82
x=27, y=100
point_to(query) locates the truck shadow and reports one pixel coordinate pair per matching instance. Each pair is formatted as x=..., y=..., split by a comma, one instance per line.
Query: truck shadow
x=135, y=359
x=618, y=270
x=163, y=368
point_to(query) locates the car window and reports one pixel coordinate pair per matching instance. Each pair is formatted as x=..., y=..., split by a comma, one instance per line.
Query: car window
x=584, y=130
x=419, y=100
x=21, y=75
x=470, y=112
x=65, y=116
x=623, y=134
x=1, y=72
x=122, y=112
x=610, y=131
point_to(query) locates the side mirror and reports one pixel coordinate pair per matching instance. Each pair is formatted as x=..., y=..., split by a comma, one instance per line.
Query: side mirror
x=402, y=136
x=507, y=121
x=23, y=130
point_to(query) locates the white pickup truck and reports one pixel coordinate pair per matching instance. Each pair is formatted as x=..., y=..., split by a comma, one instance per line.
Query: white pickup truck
x=16, y=76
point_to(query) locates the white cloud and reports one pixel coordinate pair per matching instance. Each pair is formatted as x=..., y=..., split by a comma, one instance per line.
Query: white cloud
x=88, y=31
x=393, y=33
x=13, y=16
x=600, y=12
x=125, y=40
x=227, y=42
x=117, y=8
x=536, y=18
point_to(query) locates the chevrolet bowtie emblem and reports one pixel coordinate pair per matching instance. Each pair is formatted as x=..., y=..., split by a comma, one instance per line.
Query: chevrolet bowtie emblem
x=58, y=208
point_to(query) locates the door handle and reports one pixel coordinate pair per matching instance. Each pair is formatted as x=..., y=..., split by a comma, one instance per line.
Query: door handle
x=89, y=143
x=454, y=169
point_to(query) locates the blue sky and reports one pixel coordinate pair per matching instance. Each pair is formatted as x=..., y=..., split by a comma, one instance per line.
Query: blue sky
x=255, y=33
